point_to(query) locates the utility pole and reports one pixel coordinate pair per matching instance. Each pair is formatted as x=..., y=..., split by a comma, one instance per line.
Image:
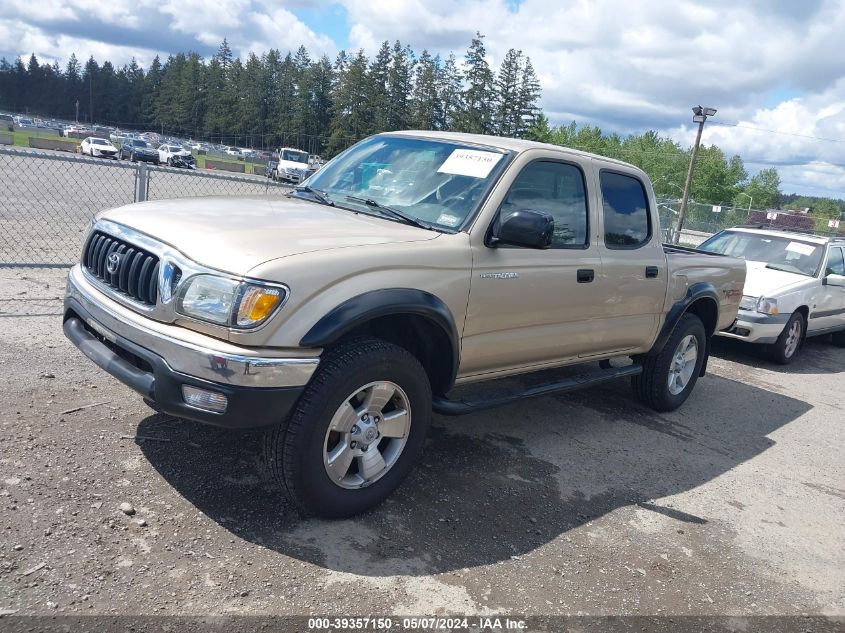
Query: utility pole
x=77, y=110
x=700, y=116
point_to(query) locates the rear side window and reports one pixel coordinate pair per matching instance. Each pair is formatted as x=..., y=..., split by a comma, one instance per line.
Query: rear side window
x=835, y=264
x=627, y=223
x=557, y=189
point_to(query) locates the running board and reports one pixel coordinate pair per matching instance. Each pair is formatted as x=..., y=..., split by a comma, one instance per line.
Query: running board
x=444, y=406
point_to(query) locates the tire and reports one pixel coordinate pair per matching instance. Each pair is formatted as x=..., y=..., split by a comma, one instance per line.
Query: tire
x=652, y=387
x=297, y=450
x=169, y=162
x=839, y=338
x=786, y=348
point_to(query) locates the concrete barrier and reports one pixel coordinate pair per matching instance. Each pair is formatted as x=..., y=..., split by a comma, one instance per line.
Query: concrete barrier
x=6, y=138
x=238, y=168
x=53, y=143
x=259, y=170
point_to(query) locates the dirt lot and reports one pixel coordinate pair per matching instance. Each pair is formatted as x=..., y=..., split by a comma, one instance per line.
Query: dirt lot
x=585, y=504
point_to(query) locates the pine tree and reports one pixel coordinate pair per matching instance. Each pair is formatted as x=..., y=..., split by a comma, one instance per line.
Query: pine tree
x=449, y=94
x=477, y=115
x=379, y=76
x=528, y=99
x=507, y=121
x=399, y=87
x=426, y=108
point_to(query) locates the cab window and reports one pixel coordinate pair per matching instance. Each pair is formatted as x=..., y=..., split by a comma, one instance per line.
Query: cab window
x=557, y=189
x=835, y=264
x=627, y=223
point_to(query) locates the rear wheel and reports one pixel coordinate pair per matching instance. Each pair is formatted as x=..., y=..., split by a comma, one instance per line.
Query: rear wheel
x=669, y=376
x=356, y=431
x=787, y=346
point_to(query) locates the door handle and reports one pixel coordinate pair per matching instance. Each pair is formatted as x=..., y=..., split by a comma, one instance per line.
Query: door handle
x=651, y=272
x=586, y=275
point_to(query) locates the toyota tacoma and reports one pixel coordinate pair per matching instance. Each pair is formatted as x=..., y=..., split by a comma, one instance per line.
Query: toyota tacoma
x=341, y=316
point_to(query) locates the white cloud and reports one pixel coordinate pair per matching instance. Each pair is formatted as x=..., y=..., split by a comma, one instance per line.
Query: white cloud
x=633, y=66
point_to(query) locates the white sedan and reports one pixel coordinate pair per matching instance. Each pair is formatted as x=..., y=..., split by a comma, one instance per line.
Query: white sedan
x=98, y=147
x=795, y=287
x=167, y=152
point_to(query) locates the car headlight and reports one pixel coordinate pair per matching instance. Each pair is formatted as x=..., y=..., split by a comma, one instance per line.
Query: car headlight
x=748, y=303
x=229, y=302
x=767, y=306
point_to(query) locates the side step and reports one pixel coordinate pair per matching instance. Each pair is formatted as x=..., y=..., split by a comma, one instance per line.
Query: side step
x=444, y=406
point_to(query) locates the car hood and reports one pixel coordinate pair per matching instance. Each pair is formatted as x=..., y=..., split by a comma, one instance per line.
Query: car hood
x=761, y=281
x=292, y=164
x=236, y=234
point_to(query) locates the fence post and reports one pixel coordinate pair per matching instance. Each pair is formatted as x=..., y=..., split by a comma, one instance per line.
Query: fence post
x=143, y=177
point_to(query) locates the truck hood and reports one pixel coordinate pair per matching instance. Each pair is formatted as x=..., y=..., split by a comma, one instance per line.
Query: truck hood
x=761, y=281
x=236, y=234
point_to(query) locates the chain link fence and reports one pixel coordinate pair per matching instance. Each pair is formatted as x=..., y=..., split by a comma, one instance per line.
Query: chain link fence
x=47, y=200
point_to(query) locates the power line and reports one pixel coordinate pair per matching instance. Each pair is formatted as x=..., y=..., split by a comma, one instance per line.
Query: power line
x=762, y=129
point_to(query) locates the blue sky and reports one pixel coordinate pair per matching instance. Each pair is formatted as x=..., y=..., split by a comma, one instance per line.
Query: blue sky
x=774, y=68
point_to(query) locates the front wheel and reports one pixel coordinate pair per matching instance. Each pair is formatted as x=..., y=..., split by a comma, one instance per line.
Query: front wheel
x=356, y=431
x=669, y=376
x=785, y=349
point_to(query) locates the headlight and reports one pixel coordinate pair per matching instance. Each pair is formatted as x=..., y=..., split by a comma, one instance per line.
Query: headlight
x=229, y=302
x=767, y=306
x=748, y=303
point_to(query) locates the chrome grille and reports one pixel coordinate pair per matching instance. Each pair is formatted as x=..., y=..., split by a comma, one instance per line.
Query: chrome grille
x=122, y=266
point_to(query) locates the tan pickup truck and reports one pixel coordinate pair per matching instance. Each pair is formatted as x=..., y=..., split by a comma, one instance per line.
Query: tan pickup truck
x=342, y=315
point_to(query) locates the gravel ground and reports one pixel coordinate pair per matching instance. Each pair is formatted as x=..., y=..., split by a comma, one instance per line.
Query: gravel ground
x=48, y=198
x=584, y=504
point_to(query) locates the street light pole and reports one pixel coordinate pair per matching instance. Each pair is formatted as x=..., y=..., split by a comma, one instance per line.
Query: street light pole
x=700, y=116
x=750, y=199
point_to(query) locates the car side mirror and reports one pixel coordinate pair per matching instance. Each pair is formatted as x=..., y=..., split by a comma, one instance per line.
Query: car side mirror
x=526, y=228
x=834, y=280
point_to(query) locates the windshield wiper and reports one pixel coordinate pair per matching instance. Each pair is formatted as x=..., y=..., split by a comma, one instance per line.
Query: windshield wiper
x=785, y=270
x=404, y=217
x=320, y=196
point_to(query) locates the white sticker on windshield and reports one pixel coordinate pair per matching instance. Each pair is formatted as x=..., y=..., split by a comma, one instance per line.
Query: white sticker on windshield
x=447, y=219
x=470, y=162
x=801, y=249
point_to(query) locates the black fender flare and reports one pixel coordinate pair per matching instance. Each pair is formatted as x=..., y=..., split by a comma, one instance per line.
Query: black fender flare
x=381, y=303
x=698, y=290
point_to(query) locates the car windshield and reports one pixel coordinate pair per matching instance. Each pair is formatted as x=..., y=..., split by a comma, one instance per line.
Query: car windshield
x=294, y=156
x=779, y=253
x=98, y=141
x=439, y=182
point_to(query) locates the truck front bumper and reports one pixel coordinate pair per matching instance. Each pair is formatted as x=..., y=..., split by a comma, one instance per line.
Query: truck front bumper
x=755, y=327
x=253, y=390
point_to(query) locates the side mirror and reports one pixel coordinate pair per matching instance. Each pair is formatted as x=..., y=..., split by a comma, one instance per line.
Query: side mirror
x=526, y=228
x=834, y=280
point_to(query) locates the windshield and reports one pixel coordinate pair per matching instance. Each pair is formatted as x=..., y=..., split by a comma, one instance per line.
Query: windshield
x=779, y=253
x=292, y=155
x=99, y=141
x=439, y=182
x=140, y=144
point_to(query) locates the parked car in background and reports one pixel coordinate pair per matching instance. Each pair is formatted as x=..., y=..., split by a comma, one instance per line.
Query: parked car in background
x=795, y=287
x=24, y=122
x=136, y=149
x=339, y=317
x=167, y=154
x=292, y=166
x=98, y=147
x=232, y=151
x=7, y=122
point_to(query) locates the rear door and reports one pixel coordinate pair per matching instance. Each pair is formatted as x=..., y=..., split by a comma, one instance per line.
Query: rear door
x=634, y=270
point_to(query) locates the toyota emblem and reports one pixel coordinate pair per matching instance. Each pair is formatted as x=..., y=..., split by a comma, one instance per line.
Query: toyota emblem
x=113, y=263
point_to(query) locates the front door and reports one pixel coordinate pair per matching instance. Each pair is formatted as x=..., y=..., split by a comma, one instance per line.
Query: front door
x=829, y=309
x=531, y=307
